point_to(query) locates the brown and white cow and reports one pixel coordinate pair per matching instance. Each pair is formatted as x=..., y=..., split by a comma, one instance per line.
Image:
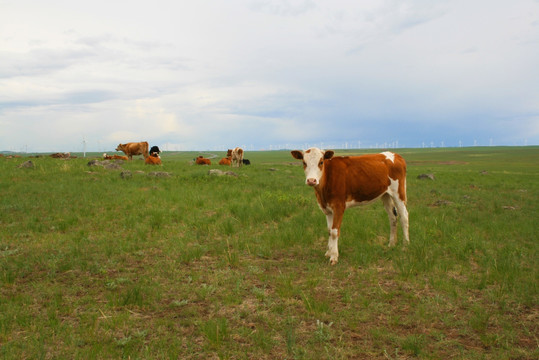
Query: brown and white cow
x=236, y=155
x=153, y=159
x=342, y=182
x=134, y=148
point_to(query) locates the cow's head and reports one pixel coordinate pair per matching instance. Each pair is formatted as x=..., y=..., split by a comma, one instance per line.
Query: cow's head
x=120, y=147
x=313, y=163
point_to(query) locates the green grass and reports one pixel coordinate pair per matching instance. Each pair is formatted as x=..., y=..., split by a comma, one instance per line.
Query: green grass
x=194, y=266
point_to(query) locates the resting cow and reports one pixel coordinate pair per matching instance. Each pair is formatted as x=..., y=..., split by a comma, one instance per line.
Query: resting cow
x=155, y=150
x=236, y=155
x=225, y=161
x=134, y=148
x=153, y=159
x=201, y=160
x=114, y=157
x=347, y=181
x=61, y=155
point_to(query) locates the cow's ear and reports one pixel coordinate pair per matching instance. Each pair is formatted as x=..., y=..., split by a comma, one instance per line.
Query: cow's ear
x=328, y=154
x=297, y=154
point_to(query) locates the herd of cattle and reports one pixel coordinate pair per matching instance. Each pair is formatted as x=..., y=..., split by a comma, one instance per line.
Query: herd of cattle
x=151, y=157
x=339, y=182
x=234, y=157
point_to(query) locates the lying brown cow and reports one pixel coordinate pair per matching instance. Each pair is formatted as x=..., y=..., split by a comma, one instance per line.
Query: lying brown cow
x=225, y=161
x=202, y=161
x=61, y=155
x=134, y=148
x=153, y=159
x=114, y=157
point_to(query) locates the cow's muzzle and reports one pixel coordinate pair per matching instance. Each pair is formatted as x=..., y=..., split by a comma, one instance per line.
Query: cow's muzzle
x=311, y=182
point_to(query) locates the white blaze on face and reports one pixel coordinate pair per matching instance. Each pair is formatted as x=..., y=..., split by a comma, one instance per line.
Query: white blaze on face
x=313, y=163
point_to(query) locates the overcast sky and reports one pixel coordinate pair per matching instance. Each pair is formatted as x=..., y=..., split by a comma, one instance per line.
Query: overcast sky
x=263, y=74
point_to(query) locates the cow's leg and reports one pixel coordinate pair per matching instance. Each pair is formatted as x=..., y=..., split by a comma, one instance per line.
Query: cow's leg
x=403, y=215
x=329, y=220
x=389, y=205
x=334, y=220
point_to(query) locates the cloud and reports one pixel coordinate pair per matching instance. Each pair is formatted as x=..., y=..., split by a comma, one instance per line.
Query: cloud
x=39, y=62
x=282, y=7
x=202, y=75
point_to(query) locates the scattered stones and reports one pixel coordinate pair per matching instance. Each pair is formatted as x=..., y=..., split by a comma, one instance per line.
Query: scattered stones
x=441, y=203
x=426, y=176
x=27, y=165
x=217, y=172
x=159, y=174
x=508, y=207
x=112, y=166
x=107, y=164
x=126, y=174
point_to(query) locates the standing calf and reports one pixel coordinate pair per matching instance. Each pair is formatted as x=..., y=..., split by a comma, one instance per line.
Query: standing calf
x=347, y=181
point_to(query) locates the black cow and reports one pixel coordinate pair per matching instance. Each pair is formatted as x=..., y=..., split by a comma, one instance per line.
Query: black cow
x=155, y=149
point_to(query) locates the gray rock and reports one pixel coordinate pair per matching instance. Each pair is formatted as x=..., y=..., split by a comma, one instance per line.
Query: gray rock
x=159, y=174
x=27, y=165
x=126, y=174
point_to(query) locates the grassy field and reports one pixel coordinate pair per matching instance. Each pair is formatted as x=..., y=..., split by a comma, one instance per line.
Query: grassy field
x=94, y=265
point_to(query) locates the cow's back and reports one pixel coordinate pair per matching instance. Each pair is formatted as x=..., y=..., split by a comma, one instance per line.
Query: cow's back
x=358, y=178
x=140, y=148
x=136, y=148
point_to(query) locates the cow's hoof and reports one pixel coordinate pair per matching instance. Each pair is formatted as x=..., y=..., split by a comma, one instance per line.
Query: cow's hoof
x=333, y=257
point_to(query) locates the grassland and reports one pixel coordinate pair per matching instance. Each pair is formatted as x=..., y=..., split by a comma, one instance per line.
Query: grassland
x=98, y=266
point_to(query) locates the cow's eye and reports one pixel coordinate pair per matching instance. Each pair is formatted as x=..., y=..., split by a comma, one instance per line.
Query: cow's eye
x=321, y=163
